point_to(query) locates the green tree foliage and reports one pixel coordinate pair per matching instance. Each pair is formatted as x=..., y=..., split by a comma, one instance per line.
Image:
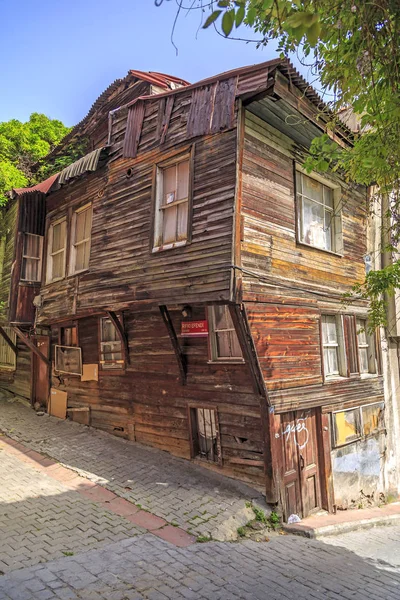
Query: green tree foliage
x=22, y=145
x=353, y=48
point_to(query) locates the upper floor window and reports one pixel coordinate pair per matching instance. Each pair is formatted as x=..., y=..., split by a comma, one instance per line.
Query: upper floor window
x=171, y=227
x=366, y=348
x=318, y=221
x=111, y=355
x=8, y=359
x=80, y=239
x=224, y=342
x=56, y=253
x=332, y=343
x=32, y=257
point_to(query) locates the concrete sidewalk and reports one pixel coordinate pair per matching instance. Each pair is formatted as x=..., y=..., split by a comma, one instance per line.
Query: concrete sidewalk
x=345, y=521
x=183, y=494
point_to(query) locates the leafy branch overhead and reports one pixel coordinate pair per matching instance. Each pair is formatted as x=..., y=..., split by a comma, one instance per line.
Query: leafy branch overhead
x=352, y=47
x=22, y=145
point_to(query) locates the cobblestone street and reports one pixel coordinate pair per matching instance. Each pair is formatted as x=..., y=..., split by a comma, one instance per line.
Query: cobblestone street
x=64, y=536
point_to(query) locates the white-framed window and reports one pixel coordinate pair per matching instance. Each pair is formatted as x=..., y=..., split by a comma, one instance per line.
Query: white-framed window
x=319, y=221
x=366, y=348
x=224, y=342
x=31, y=269
x=171, y=226
x=111, y=354
x=68, y=359
x=8, y=358
x=333, y=345
x=80, y=239
x=56, y=250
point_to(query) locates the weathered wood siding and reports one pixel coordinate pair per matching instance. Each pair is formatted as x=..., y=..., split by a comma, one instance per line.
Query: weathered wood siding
x=19, y=381
x=147, y=403
x=122, y=267
x=9, y=227
x=286, y=286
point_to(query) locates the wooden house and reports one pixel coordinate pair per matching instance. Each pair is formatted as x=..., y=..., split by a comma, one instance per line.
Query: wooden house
x=181, y=286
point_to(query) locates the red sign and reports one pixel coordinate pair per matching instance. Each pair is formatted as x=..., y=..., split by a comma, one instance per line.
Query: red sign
x=194, y=329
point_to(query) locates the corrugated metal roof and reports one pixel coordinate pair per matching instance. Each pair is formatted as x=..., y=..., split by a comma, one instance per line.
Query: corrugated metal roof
x=85, y=164
x=43, y=186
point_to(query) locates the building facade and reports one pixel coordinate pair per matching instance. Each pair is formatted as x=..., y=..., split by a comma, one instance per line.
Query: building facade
x=182, y=285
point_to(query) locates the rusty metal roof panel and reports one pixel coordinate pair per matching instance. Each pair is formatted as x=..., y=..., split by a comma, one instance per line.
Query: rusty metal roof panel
x=43, y=187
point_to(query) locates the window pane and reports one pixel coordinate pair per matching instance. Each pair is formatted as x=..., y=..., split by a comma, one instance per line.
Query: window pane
x=80, y=226
x=32, y=245
x=169, y=225
x=313, y=223
x=312, y=188
x=328, y=196
x=361, y=332
x=236, y=350
x=169, y=185
x=328, y=230
x=82, y=256
x=223, y=344
x=88, y=222
x=222, y=318
x=329, y=329
x=364, y=360
x=109, y=332
x=30, y=269
x=182, y=221
x=331, y=363
x=58, y=265
x=347, y=426
x=68, y=360
x=183, y=180
x=58, y=236
x=372, y=417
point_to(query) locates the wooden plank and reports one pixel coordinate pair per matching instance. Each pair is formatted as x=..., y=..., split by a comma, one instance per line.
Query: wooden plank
x=201, y=110
x=8, y=341
x=180, y=357
x=28, y=342
x=223, y=116
x=169, y=105
x=133, y=129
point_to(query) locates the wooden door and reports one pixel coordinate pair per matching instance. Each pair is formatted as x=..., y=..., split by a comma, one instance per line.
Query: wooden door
x=301, y=476
x=40, y=371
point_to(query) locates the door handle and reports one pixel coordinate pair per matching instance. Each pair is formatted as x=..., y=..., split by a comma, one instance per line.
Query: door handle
x=301, y=462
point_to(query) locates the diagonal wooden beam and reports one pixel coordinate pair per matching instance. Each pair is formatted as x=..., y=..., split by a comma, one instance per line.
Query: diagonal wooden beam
x=28, y=342
x=121, y=333
x=240, y=320
x=180, y=357
x=8, y=340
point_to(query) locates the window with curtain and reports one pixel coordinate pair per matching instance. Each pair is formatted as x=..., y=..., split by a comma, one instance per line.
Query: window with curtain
x=81, y=237
x=56, y=254
x=316, y=213
x=172, y=205
x=31, y=269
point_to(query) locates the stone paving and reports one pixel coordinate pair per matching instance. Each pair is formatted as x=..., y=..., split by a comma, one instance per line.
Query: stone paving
x=64, y=537
x=185, y=494
x=287, y=568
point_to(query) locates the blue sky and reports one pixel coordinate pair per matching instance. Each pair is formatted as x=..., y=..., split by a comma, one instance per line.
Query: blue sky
x=59, y=55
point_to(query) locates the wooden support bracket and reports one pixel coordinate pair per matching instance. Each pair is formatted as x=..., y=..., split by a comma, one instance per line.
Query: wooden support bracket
x=28, y=342
x=121, y=334
x=240, y=320
x=180, y=357
x=7, y=339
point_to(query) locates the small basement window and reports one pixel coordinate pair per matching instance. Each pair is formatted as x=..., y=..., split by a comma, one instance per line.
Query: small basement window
x=111, y=354
x=68, y=359
x=205, y=434
x=32, y=257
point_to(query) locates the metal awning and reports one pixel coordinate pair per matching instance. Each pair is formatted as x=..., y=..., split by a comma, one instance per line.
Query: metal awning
x=87, y=163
